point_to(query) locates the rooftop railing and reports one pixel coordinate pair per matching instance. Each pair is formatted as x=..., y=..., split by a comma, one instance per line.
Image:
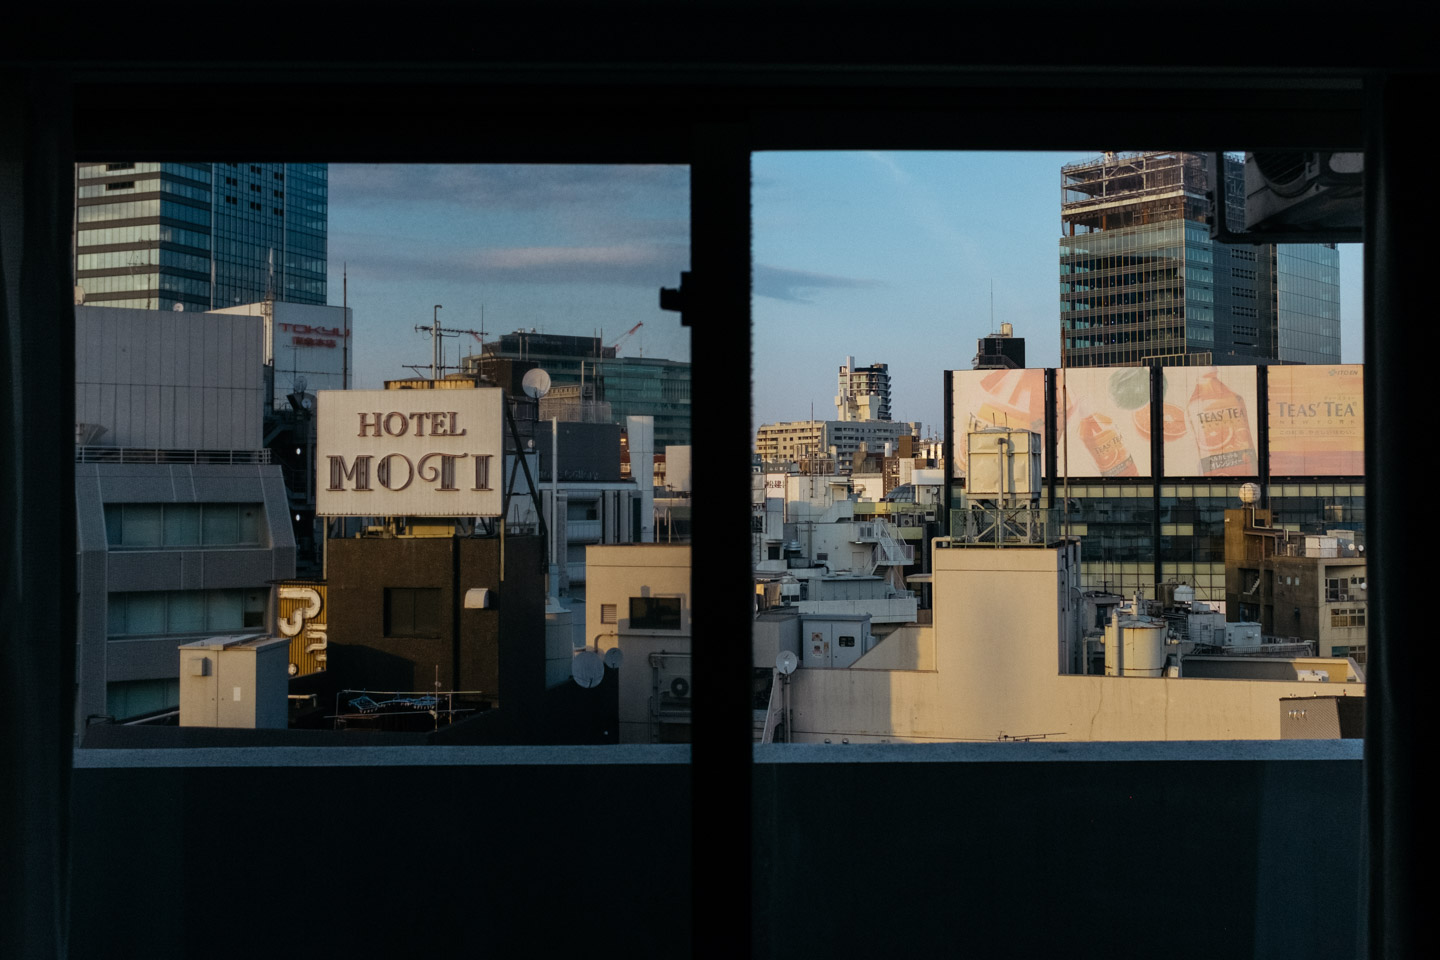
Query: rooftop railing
x=95, y=454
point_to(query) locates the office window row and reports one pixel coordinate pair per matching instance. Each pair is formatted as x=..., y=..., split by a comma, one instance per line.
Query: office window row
x=156, y=613
x=151, y=526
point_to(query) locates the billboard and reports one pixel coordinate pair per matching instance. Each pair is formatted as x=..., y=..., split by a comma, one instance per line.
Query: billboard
x=1103, y=420
x=1317, y=420
x=409, y=453
x=1013, y=398
x=301, y=614
x=1210, y=422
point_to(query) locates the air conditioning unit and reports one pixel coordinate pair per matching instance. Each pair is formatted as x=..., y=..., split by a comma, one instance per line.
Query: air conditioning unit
x=672, y=684
x=1316, y=194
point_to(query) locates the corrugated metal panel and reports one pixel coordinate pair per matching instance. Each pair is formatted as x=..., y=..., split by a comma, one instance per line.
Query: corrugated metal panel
x=303, y=616
x=1322, y=718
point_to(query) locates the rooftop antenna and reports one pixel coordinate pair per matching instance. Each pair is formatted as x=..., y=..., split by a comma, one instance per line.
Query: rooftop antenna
x=345, y=315
x=437, y=333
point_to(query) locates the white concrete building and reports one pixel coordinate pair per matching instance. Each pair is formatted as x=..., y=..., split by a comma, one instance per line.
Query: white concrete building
x=864, y=392
x=638, y=599
x=307, y=345
x=807, y=440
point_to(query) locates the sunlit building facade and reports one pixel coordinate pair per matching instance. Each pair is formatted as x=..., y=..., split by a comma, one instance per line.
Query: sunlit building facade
x=1142, y=282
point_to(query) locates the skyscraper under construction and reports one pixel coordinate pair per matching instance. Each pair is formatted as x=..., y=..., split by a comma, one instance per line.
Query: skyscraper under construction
x=1141, y=281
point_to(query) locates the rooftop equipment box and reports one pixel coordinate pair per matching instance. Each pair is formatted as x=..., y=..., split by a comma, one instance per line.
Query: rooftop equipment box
x=235, y=682
x=1004, y=465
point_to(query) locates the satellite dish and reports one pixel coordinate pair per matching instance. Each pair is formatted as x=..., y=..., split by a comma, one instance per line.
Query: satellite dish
x=587, y=669
x=613, y=658
x=786, y=662
x=536, y=383
x=1249, y=493
x=178, y=308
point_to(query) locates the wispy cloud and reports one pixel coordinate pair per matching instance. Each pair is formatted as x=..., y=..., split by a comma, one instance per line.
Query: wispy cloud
x=781, y=284
x=509, y=187
x=638, y=264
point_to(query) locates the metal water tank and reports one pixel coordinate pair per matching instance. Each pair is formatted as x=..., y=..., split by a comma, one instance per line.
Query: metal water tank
x=1134, y=647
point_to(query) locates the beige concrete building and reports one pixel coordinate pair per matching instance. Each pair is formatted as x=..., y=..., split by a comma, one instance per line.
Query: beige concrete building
x=1310, y=587
x=990, y=668
x=637, y=598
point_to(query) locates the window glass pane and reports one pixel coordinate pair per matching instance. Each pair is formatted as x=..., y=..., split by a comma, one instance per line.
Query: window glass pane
x=224, y=610
x=655, y=613
x=427, y=612
x=116, y=622
x=249, y=523
x=569, y=258
x=114, y=525
x=1147, y=302
x=142, y=525
x=255, y=601
x=182, y=524
x=222, y=525
x=145, y=613
x=187, y=611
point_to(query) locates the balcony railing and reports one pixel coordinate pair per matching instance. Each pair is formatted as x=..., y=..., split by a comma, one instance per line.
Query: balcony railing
x=152, y=455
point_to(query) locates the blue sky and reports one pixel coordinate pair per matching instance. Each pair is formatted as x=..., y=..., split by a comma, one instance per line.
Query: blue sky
x=886, y=256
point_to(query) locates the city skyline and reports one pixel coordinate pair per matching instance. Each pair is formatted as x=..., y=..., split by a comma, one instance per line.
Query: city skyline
x=848, y=248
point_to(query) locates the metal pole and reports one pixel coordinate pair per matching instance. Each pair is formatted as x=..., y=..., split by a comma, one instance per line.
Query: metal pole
x=435, y=346
x=554, y=503
x=345, y=319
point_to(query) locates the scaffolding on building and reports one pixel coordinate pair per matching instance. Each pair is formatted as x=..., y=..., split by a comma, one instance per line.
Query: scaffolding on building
x=1118, y=190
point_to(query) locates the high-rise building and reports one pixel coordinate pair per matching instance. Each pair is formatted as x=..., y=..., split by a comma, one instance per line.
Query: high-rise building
x=864, y=391
x=1000, y=351
x=199, y=236
x=1142, y=282
x=622, y=386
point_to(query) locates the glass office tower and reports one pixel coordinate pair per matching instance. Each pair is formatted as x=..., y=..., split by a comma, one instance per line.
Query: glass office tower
x=200, y=235
x=1304, y=288
x=1142, y=282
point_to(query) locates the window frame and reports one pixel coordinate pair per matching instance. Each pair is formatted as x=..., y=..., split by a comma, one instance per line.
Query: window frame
x=993, y=86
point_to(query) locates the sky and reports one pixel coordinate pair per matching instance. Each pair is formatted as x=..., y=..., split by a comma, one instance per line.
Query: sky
x=905, y=258
x=579, y=250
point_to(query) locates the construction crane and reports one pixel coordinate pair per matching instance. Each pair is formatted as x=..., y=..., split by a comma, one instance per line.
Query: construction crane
x=626, y=335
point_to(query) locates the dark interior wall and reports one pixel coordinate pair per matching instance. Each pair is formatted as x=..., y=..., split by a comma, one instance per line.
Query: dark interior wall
x=322, y=861
x=1109, y=858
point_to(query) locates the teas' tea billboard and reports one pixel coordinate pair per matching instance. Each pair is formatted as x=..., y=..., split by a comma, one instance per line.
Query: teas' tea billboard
x=1213, y=414
x=1317, y=420
x=409, y=453
x=1102, y=417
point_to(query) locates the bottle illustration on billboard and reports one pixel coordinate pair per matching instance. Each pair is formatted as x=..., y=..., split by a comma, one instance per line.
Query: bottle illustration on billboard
x=1105, y=444
x=1221, y=424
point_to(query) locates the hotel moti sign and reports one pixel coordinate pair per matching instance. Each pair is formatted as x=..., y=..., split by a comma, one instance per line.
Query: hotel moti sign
x=409, y=453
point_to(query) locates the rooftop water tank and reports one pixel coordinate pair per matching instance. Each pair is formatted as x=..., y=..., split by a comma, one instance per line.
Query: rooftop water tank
x=1134, y=647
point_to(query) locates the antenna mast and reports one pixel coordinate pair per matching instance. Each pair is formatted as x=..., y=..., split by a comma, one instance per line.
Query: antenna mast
x=437, y=333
